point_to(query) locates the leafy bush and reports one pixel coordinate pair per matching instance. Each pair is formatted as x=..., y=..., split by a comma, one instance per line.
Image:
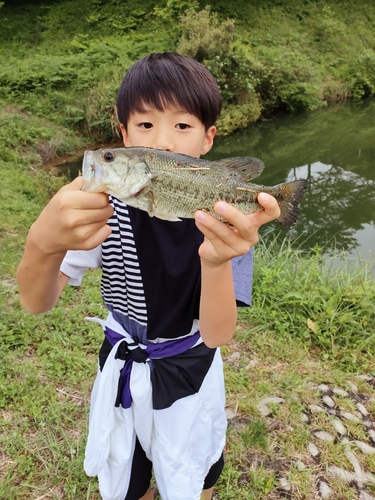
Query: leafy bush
x=203, y=35
x=238, y=116
x=211, y=42
x=361, y=75
x=235, y=76
x=329, y=29
x=288, y=81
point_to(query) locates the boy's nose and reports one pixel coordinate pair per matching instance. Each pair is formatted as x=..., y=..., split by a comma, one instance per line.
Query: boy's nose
x=163, y=141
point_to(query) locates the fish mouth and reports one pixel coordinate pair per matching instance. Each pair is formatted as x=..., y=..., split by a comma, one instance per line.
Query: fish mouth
x=88, y=165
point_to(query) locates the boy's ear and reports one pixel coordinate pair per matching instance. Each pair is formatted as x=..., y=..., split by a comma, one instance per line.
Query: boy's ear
x=208, y=140
x=125, y=137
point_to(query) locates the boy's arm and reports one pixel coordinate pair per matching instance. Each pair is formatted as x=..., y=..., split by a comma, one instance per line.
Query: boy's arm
x=72, y=220
x=218, y=311
x=39, y=279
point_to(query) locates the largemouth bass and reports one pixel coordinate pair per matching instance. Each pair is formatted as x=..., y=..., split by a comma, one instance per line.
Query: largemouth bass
x=173, y=186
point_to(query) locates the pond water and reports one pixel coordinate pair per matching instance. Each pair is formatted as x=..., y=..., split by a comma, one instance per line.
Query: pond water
x=335, y=150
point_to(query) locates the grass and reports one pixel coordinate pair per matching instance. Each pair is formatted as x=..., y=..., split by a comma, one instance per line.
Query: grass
x=321, y=300
x=46, y=375
x=312, y=322
x=262, y=450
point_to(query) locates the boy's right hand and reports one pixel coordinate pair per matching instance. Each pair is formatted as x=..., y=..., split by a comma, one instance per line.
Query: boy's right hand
x=72, y=220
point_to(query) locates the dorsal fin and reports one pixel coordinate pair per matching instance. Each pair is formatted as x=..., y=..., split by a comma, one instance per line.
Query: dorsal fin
x=246, y=167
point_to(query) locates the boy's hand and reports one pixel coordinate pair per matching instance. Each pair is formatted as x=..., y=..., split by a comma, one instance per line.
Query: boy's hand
x=72, y=220
x=223, y=242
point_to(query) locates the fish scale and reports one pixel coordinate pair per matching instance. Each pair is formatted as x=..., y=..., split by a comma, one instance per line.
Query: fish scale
x=187, y=189
x=173, y=186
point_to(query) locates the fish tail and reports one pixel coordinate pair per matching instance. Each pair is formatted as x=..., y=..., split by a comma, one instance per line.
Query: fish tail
x=289, y=196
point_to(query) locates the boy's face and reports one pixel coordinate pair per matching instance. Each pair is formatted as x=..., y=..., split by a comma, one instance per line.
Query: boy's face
x=172, y=130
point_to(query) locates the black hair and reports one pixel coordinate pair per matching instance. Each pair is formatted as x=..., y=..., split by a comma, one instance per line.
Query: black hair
x=166, y=79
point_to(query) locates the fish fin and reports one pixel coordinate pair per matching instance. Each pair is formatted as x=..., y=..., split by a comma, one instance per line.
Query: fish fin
x=171, y=218
x=246, y=167
x=291, y=195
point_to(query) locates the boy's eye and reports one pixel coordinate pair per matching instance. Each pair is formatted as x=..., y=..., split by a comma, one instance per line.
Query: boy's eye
x=182, y=126
x=146, y=125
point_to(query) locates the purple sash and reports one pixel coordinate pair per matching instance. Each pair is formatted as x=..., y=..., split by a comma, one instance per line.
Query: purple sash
x=152, y=351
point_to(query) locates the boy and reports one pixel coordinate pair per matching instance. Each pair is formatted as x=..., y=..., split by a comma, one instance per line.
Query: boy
x=169, y=291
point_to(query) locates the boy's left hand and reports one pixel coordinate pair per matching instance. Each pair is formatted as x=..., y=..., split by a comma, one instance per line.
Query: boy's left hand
x=223, y=241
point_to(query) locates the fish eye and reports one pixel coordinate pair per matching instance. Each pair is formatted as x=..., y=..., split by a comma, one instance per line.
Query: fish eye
x=108, y=156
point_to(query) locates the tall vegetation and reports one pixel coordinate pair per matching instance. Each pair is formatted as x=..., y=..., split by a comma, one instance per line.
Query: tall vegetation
x=326, y=302
x=268, y=57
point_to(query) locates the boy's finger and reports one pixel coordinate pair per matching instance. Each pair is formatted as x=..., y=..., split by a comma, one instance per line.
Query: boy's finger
x=218, y=232
x=94, y=216
x=208, y=233
x=81, y=200
x=84, y=199
x=247, y=224
x=210, y=226
x=244, y=225
x=89, y=201
x=77, y=183
x=271, y=209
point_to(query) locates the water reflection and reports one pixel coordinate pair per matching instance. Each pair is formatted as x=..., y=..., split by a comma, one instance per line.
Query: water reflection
x=335, y=150
x=338, y=204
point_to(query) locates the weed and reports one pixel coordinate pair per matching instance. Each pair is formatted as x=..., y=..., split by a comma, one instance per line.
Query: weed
x=310, y=322
x=299, y=296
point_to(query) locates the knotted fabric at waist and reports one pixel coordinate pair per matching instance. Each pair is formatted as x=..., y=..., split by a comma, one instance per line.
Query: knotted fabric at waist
x=131, y=351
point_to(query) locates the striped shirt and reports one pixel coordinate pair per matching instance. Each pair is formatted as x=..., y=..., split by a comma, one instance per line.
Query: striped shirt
x=151, y=273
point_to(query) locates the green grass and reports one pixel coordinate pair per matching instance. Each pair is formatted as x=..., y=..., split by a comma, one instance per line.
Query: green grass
x=311, y=322
x=48, y=366
x=270, y=364
x=324, y=301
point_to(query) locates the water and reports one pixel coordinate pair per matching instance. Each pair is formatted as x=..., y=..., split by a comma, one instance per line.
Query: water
x=335, y=150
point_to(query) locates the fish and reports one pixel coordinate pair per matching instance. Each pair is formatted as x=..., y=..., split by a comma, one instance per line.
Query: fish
x=173, y=186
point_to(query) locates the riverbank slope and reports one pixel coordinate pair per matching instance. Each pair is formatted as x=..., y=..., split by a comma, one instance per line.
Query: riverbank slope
x=63, y=68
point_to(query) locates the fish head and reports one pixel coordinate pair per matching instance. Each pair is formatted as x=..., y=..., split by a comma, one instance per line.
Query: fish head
x=120, y=172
